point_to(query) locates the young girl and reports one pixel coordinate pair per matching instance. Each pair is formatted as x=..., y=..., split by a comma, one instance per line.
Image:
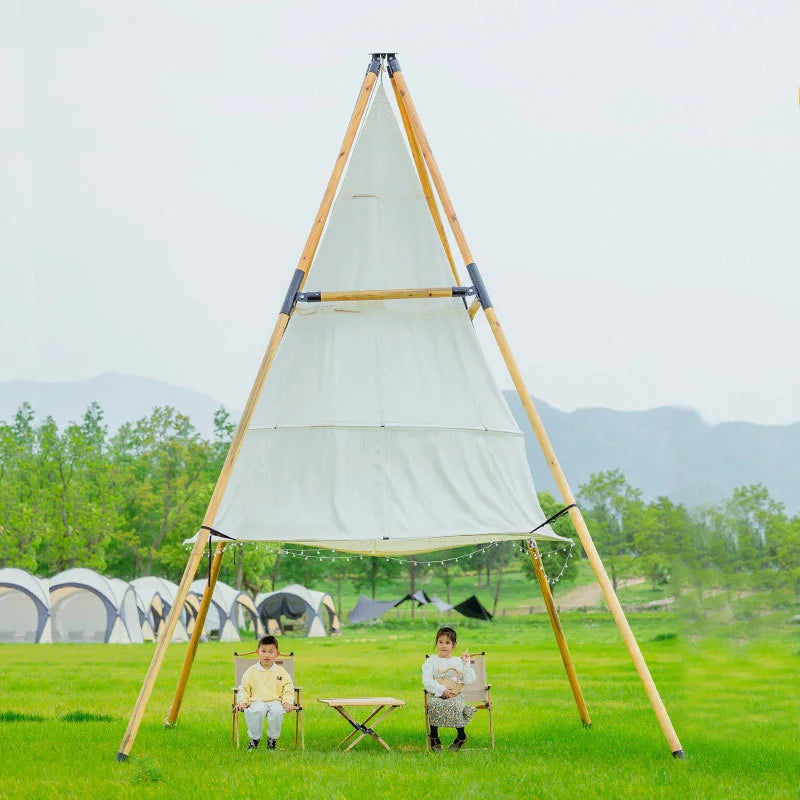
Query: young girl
x=444, y=676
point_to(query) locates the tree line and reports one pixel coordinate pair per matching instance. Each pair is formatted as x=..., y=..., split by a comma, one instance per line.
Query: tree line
x=123, y=504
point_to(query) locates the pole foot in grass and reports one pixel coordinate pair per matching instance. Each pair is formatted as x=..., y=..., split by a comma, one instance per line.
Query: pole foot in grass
x=587, y=724
x=122, y=756
x=168, y=724
x=679, y=754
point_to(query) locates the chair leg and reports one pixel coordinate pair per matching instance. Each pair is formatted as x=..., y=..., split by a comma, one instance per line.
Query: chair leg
x=491, y=725
x=235, y=729
x=296, y=727
x=302, y=732
x=427, y=724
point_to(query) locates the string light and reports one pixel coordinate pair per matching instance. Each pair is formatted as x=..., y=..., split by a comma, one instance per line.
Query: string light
x=308, y=554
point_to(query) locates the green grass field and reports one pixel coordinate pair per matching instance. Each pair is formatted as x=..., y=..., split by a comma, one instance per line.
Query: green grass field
x=733, y=700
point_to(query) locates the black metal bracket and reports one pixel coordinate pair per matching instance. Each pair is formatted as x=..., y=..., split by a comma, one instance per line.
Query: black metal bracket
x=291, y=294
x=309, y=297
x=464, y=291
x=392, y=64
x=375, y=64
x=363, y=728
x=480, y=287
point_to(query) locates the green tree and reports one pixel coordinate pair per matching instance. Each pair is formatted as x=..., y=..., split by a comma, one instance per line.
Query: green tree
x=611, y=507
x=166, y=490
x=22, y=521
x=78, y=492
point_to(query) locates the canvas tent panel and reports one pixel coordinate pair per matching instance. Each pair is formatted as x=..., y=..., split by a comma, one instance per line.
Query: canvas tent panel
x=367, y=609
x=316, y=628
x=119, y=633
x=374, y=490
x=19, y=616
x=379, y=429
x=80, y=615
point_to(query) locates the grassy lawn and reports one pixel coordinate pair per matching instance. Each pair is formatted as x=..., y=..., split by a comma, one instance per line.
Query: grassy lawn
x=733, y=700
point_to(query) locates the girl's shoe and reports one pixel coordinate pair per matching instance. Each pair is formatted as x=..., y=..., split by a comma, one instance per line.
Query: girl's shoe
x=253, y=744
x=436, y=744
x=457, y=744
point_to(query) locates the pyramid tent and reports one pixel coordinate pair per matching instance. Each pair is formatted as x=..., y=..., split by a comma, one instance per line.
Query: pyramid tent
x=24, y=607
x=379, y=429
x=373, y=425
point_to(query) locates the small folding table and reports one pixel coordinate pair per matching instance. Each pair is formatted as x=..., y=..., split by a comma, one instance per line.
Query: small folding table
x=340, y=703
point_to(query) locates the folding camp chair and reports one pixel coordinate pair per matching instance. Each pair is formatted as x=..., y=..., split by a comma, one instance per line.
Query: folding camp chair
x=241, y=661
x=478, y=694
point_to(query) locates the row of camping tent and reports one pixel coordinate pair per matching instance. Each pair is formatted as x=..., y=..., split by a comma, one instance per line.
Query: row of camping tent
x=80, y=605
x=367, y=609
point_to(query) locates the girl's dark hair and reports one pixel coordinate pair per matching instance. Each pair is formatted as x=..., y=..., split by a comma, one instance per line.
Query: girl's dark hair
x=269, y=639
x=447, y=631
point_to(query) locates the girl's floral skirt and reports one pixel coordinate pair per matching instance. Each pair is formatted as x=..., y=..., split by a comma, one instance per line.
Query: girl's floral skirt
x=451, y=712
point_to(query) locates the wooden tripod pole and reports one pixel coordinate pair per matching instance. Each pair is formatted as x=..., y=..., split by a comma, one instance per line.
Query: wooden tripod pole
x=197, y=632
x=561, y=640
x=424, y=180
x=536, y=423
x=277, y=334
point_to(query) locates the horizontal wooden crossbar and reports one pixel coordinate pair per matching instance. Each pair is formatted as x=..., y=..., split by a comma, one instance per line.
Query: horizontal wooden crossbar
x=385, y=294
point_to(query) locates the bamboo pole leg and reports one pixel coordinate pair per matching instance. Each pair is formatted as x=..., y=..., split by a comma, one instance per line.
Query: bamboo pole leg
x=197, y=632
x=561, y=640
x=341, y=159
x=538, y=428
x=586, y=540
x=216, y=499
x=424, y=180
x=401, y=88
x=161, y=647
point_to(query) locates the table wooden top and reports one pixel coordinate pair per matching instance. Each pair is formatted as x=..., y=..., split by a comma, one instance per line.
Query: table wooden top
x=362, y=701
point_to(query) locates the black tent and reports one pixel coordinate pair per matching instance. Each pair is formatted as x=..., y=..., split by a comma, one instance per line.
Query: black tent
x=472, y=607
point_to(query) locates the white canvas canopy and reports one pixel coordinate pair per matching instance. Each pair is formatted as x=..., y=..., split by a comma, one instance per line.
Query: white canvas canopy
x=154, y=599
x=379, y=429
x=223, y=613
x=24, y=607
x=88, y=607
x=295, y=601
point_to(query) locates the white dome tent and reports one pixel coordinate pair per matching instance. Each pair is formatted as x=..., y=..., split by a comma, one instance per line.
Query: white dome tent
x=296, y=601
x=224, y=611
x=88, y=607
x=24, y=607
x=154, y=599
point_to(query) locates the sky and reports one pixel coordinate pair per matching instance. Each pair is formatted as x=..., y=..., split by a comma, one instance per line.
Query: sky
x=627, y=175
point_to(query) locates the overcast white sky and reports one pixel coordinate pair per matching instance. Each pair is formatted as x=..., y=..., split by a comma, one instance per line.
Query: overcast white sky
x=627, y=175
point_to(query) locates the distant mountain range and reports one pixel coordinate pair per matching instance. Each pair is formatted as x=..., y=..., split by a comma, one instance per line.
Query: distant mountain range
x=666, y=451
x=663, y=451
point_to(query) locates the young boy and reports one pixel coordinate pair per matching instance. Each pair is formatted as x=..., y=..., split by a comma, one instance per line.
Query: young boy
x=266, y=691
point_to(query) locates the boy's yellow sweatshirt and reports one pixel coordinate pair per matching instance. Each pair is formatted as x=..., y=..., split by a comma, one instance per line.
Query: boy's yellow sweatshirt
x=266, y=684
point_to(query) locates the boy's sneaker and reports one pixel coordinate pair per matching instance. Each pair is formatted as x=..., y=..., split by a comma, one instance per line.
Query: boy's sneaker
x=457, y=744
x=253, y=744
x=436, y=744
x=271, y=743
